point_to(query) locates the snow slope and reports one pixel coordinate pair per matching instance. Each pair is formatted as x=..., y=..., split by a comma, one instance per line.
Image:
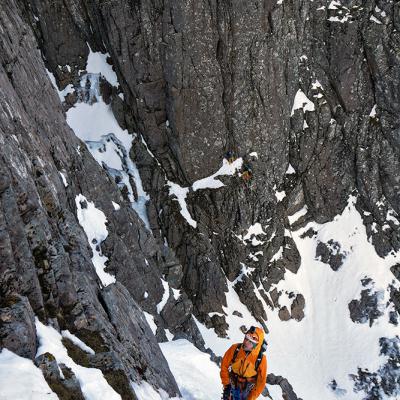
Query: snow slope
x=197, y=376
x=20, y=379
x=326, y=344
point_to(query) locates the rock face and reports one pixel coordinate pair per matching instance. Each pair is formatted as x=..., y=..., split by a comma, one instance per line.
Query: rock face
x=46, y=268
x=17, y=326
x=197, y=80
x=367, y=308
x=255, y=60
x=329, y=253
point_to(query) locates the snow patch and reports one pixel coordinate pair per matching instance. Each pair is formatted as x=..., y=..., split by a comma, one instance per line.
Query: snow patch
x=316, y=85
x=301, y=101
x=227, y=169
x=165, y=297
x=290, y=170
x=20, y=379
x=333, y=5
x=63, y=178
x=280, y=195
x=380, y=12
x=375, y=20
x=110, y=145
x=78, y=342
x=255, y=229
x=209, y=182
x=150, y=321
x=61, y=93
x=93, y=384
x=297, y=215
x=169, y=335
x=341, y=20
x=180, y=193
x=176, y=293
x=144, y=391
x=278, y=255
x=392, y=216
x=97, y=64
x=253, y=256
x=93, y=221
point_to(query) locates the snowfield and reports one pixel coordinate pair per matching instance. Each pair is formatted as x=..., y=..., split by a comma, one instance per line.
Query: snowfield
x=326, y=344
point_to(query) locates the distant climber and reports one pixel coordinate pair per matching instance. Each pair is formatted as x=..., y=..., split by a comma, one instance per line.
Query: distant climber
x=244, y=367
x=230, y=156
x=247, y=172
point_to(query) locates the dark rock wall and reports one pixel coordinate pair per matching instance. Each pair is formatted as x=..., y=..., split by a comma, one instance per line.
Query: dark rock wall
x=46, y=268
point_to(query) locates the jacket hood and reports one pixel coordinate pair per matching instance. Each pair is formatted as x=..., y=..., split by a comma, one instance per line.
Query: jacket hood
x=252, y=357
x=260, y=334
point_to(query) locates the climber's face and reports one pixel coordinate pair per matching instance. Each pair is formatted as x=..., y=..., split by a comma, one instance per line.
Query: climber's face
x=250, y=341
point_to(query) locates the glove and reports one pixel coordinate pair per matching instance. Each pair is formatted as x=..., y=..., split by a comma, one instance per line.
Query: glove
x=252, y=396
x=226, y=394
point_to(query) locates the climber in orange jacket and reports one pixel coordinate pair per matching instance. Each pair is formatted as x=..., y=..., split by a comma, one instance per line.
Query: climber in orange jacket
x=244, y=367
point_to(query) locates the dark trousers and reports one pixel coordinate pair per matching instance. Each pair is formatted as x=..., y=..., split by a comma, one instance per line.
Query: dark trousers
x=241, y=393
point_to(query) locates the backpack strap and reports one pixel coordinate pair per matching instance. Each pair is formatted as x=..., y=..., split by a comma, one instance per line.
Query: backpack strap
x=238, y=347
x=260, y=355
x=232, y=375
x=259, y=358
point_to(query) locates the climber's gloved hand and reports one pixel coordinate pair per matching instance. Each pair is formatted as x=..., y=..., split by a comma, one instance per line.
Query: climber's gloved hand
x=226, y=393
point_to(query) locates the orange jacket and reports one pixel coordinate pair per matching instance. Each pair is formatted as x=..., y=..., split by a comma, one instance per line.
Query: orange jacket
x=244, y=366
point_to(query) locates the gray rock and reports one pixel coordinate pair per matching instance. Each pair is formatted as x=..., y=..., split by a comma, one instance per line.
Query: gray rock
x=297, y=307
x=137, y=338
x=66, y=387
x=396, y=271
x=284, y=314
x=329, y=253
x=176, y=312
x=288, y=392
x=367, y=309
x=17, y=326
